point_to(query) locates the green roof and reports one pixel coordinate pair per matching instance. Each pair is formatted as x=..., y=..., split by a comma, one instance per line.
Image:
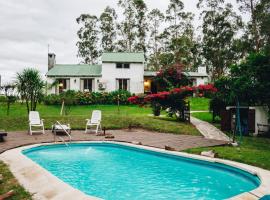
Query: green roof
x=123, y=57
x=75, y=70
x=150, y=73
x=195, y=74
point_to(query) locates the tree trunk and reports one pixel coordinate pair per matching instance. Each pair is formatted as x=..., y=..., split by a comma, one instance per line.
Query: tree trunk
x=8, y=107
x=254, y=26
x=27, y=105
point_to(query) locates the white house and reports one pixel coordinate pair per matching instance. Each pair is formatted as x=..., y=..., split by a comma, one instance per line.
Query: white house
x=117, y=71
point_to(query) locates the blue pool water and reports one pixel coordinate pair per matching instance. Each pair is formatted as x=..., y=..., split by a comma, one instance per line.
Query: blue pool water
x=116, y=172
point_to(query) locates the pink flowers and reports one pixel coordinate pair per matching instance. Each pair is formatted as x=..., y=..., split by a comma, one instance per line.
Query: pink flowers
x=209, y=87
x=181, y=92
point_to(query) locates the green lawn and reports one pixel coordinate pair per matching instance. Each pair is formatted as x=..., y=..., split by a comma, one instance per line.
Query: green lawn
x=10, y=183
x=199, y=103
x=253, y=150
x=111, y=118
x=207, y=116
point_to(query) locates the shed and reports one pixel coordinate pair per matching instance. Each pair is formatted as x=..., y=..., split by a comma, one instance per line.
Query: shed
x=249, y=117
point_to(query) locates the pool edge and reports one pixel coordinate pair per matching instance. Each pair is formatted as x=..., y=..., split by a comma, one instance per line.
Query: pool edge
x=35, y=181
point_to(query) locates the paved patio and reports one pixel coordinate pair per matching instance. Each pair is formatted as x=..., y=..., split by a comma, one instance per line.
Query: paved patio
x=148, y=138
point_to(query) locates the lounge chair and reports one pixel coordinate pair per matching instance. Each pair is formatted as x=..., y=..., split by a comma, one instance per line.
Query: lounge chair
x=94, y=121
x=35, y=121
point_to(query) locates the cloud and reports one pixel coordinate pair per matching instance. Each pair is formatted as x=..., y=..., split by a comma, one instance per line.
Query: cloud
x=28, y=26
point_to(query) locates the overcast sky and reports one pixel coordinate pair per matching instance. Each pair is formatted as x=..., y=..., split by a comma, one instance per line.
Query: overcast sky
x=28, y=26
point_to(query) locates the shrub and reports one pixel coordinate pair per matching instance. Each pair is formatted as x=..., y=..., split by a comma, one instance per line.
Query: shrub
x=171, y=77
x=52, y=99
x=156, y=108
x=174, y=100
x=69, y=97
x=2, y=99
x=121, y=94
x=87, y=98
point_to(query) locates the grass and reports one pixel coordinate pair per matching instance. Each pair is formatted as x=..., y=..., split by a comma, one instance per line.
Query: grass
x=207, y=116
x=199, y=103
x=10, y=183
x=253, y=150
x=111, y=118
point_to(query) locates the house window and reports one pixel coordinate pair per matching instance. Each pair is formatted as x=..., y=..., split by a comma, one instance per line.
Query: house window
x=86, y=85
x=122, y=65
x=63, y=85
x=122, y=84
x=126, y=65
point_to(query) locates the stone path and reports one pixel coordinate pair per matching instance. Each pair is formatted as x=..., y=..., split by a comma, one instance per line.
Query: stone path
x=148, y=138
x=208, y=130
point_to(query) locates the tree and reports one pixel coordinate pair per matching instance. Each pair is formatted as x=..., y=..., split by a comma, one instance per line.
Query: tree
x=181, y=47
x=88, y=38
x=30, y=87
x=171, y=77
x=263, y=10
x=248, y=83
x=127, y=27
x=108, y=29
x=141, y=25
x=155, y=17
x=174, y=16
x=220, y=26
x=249, y=6
x=9, y=90
x=179, y=34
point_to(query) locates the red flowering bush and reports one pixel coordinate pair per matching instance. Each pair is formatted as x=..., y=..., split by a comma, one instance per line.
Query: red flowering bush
x=174, y=100
x=171, y=77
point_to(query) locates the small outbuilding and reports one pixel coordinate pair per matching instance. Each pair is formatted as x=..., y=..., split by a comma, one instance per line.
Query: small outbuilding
x=251, y=118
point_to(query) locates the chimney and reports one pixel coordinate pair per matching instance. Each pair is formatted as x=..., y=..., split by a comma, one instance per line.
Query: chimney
x=202, y=69
x=51, y=60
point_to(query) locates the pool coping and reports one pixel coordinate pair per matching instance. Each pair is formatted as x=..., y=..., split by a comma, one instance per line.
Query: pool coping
x=35, y=179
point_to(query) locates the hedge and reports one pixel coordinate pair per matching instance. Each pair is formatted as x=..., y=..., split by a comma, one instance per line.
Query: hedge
x=88, y=98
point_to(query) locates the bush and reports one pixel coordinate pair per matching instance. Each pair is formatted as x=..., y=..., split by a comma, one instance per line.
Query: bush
x=216, y=105
x=69, y=97
x=173, y=100
x=156, y=108
x=88, y=98
x=52, y=99
x=2, y=99
x=121, y=94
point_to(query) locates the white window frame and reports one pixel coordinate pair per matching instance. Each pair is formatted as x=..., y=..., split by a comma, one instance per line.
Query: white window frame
x=121, y=79
x=82, y=84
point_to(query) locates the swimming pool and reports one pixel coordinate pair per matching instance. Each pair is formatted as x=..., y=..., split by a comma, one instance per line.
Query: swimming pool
x=114, y=171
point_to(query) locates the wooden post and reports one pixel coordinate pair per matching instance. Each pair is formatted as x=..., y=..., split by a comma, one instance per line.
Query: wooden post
x=62, y=107
x=118, y=103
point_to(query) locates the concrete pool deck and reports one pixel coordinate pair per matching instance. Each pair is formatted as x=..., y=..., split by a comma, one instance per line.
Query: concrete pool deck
x=147, y=138
x=43, y=185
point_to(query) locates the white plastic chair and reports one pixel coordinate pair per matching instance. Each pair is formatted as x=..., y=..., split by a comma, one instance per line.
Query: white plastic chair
x=94, y=121
x=35, y=121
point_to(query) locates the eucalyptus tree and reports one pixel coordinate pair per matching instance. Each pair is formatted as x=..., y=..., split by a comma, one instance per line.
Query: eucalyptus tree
x=179, y=20
x=141, y=25
x=88, y=38
x=30, y=87
x=108, y=29
x=127, y=28
x=249, y=6
x=263, y=10
x=156, y=18
x=220, y=27
x=174, y=17
x=180, y=29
